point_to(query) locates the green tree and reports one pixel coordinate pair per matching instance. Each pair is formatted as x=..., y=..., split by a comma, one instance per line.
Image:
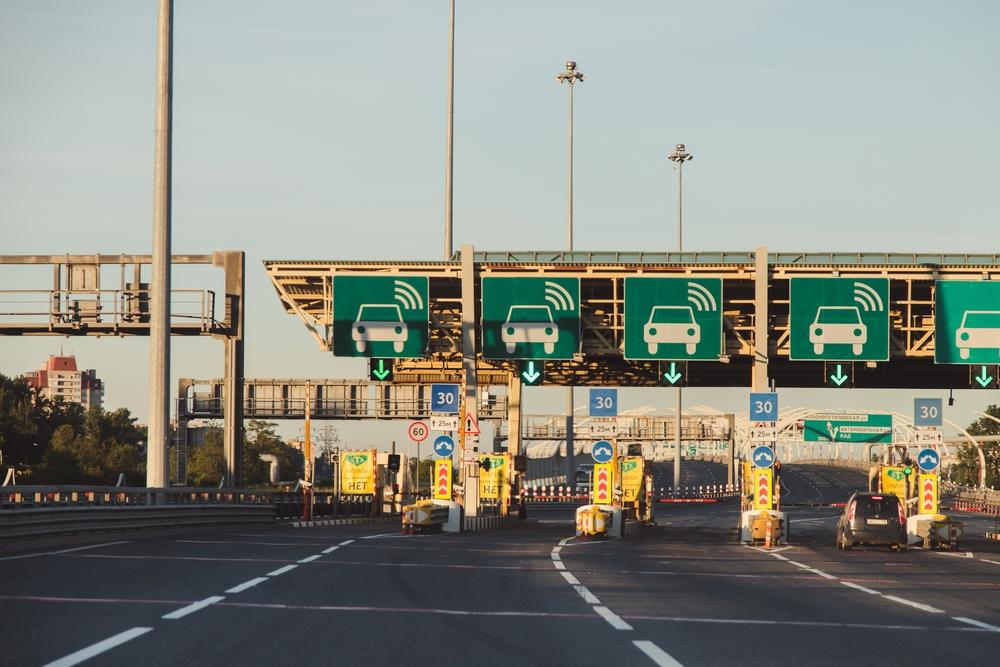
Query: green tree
x=966, y=470
x=205, y=462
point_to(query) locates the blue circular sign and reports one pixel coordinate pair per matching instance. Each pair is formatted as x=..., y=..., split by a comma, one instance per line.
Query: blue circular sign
x=602, y=451
x=444, y=445
x=763, y=457
x=928, y=459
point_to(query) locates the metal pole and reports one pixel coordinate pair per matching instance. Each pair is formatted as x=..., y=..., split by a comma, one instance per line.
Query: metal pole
x=159, y=312
x=307, y=450
x=569, y=203
x=680, y=156
x=450, y=159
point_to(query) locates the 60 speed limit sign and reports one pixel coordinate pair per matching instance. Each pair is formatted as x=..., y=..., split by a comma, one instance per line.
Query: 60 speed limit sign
x=418, y=431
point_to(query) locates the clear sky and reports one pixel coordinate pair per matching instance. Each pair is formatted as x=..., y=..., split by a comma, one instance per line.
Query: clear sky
x=316, y=129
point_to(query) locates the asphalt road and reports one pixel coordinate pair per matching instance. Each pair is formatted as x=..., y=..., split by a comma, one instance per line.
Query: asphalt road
x=682, y=592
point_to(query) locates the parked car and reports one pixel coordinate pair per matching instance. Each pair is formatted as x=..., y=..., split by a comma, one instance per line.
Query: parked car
x=872, y=518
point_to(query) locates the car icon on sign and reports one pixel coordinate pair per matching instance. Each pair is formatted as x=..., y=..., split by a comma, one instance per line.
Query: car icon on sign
x=529, y=324
x=379, y=322
x=838, y=325
x=980, y=329
x=671, y=324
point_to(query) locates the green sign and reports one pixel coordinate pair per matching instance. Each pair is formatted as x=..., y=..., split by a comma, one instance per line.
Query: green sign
x=848, y=428
x=967, y=322
x=380, y=370
x=984, y=376
x=380, y=316
x=673, y=318
x=530, y=318
x=839, y=319
x=531, y=372
x=673, y=374
x=839, y=374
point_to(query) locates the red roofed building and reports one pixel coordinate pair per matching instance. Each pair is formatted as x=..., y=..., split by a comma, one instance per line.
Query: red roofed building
x=59, y=378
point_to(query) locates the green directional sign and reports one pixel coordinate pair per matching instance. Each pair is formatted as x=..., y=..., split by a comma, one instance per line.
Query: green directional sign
x=839, y=319
x=967, y=322
x=673, y=374
x=673, y=318
x=848, y=428
x=531, y=372
x=530, y=318
x=380, y=370
x=839, y=374
x=984, y=376
x=380, y=316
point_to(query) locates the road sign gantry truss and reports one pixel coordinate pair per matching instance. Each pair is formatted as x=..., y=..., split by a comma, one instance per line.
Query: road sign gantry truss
x=305, y=289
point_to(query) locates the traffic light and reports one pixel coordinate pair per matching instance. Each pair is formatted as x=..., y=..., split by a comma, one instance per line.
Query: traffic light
x=984, y=376
x=380, y=370
x=838, y=374
x=393, y=463
x=531, y=372
x=673, y=373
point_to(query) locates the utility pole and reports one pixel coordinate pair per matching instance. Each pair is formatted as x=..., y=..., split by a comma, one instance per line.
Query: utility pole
x=679, y=156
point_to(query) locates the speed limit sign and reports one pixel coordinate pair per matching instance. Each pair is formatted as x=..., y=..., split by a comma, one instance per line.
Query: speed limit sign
x=418, y=431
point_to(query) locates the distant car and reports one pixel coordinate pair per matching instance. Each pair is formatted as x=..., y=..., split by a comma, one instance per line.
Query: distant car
x=379, y=322
x=671, y=324
x=838, y=325
x=584, y=476
x=872, y=518
x=980, y=329
x=530, y=324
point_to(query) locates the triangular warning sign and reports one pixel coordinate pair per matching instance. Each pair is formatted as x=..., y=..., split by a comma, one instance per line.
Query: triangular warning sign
x=471, y=424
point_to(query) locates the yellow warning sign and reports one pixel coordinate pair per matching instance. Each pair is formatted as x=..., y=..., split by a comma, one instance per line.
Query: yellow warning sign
x=604, y=483
x=631, y=477
x=357, y=473
x=442, y=479
x=493, y=477
x=927, y=494
x=762, y=491
x=894, y=481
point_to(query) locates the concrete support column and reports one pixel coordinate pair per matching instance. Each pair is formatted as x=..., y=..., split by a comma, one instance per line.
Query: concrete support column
x=234, y=265
x=469, y=472
x=759, y=381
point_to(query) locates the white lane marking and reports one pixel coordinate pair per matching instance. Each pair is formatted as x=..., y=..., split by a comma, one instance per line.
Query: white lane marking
x=345, y=543
x=556, y=550
x=821, y=573
x=64, y=551
x=987, y=560
x=612, y=618
x=246, y=584
x=193, y=607
x=570, y=579
x=281, y=570
x=559, y=564
x=915, y=605
x=967, y=554
x=978, y=624
x=780, y=557
x=587, y=596
x=656, y=654
x=564, y=541
x=799, y=565
x=330, y=550
x=769, y=551
x=309, y=559
x=556, y=556
x=375, y=537
x=861, y=588
x=98, y=648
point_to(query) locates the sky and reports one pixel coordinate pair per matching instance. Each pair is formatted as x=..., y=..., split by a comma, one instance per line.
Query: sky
x=316, y=130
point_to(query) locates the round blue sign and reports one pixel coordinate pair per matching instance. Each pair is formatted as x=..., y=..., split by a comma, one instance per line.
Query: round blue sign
x=763, y=457
x=444, y=445
x=602, y=451
x=928, y=459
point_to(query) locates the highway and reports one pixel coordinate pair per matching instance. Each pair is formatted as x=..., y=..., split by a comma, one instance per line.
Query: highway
x=682, y=592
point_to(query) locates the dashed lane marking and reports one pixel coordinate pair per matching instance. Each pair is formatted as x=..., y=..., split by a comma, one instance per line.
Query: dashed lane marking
x=978, y=624
x=330, y=550
x=656, y=654
x=309, y=559
x=64, y=551
x=915, y=605
x=246, y=584
x=98, y=648
x=345, y=543
x=559, y=564
x=281, y=570
x=193, y=607
x=570, y=579
x=587, y=596
x=859, y=587
x=613, y=619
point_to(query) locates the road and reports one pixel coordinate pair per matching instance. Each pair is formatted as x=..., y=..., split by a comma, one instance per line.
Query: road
x=683, y=592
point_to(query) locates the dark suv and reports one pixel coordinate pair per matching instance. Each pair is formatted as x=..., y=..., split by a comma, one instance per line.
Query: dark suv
x=872, y=518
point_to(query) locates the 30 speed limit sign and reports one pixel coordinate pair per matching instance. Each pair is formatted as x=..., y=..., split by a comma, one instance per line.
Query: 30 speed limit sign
x=418, y=431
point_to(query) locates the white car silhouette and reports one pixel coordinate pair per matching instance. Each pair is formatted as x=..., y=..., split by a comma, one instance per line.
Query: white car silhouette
x=529, y=324
x=671, y=324
x=835, y=325
x=980, y=329
x=379, y=322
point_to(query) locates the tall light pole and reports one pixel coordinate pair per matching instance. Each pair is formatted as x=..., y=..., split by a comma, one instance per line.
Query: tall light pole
x=449, y=144
x=571, y=75
x=679, y=156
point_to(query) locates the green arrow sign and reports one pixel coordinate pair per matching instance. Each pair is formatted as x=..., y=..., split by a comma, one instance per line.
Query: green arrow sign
x=532, y=372
x=673, y=318
x=839, y=378
x=530, y=318
x=984, y=379
x=967, y=322
x=673, y=375
x=380, y=316
x=848, y=428
x=379, y=370
x=839, y=319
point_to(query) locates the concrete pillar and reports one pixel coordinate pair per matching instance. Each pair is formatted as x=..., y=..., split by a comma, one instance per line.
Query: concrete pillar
x=759, y=381
x=469, y=475
x=234, y=266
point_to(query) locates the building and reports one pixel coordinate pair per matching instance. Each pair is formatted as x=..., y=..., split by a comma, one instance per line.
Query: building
x=59, y=378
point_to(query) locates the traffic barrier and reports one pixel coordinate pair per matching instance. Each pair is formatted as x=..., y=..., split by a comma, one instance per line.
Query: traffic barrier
x=424, y=516
x=476, y=523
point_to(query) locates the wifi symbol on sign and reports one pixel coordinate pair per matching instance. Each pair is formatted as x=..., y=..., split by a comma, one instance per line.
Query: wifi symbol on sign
x=866, y=297
x=408, y=296
x=701, y=297
x=558, y=296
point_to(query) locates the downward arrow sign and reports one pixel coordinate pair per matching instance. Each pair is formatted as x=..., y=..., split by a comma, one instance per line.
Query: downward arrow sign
x=531, y=374
x=983, y=379
x=839, y=378
x=382, y=370
x=673, y=376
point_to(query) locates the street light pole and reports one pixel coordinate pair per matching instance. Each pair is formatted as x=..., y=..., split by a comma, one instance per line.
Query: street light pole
x=571, y=76
x=679, y=156
x=449, y=145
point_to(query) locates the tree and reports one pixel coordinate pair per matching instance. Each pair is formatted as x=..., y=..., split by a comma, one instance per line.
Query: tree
x=966, y=470
x=205, y=465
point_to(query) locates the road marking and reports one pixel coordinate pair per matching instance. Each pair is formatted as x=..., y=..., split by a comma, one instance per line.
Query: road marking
x=556, y=550
x=612, y=618
x=987, y=560
x=656, y=654
x=978, y=624
x=193, y=607
x=246, y=584
x=564, y=541
x=859, y=587
x=98, y=648
x=309, y=559
x=780, y=557
x=281, y=570
x=570, y=579
x=556, y=556
x=821, y=573
x=559, y=564
x=587, y=596
x=915, y=605
x=64, y=551
x=799, y=565
x=330, y=550
x=967, y=554
x=262, y=544
x=769, y=551
x=345, y=543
